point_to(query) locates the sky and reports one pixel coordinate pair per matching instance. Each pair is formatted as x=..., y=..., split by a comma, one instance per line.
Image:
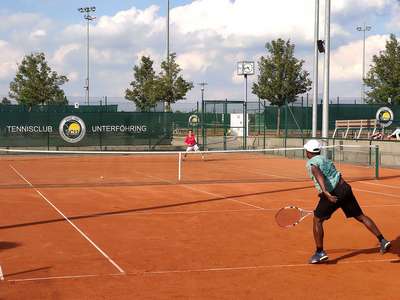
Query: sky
x=208, y=36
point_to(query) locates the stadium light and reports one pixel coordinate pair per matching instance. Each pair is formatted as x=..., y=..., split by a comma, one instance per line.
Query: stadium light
x=202, y=84
x=88, y=17
x=364, y=29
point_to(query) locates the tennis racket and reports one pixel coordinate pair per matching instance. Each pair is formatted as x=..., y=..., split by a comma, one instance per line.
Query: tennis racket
x=290, y=216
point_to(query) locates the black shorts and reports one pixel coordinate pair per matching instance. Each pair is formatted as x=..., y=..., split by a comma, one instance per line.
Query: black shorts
x=346, y=201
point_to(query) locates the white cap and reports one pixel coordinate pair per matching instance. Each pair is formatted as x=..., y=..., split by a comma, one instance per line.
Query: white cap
x=313, y=146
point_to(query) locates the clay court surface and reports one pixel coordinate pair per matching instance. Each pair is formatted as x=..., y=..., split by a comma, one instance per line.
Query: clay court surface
x=124, y=228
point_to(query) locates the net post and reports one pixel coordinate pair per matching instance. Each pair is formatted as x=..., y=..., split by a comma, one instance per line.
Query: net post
x=179, y=166
x=376, y=161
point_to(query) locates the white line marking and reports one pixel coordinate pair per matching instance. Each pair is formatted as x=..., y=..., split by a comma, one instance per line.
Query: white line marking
x=379, y=184
x=70, y=222
x=61, y=277
x=220, y=196
x=377, y=193
x=1, y=274
x=205, y=270
x=202, y=191
x=267, y=267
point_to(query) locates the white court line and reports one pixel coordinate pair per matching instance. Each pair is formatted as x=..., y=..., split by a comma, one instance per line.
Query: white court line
x=70, y=222
x=61, y=277
x=379, y=184
x=186, y=186
x=221, y=196
x=268, y=267
x=207, y=270
x=377, y=193
x=1, y=274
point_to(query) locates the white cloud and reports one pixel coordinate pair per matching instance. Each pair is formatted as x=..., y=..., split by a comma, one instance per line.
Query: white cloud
x=347, y=59
x=37, y=34
x=62, y=53
x=346, y=5
x=196, y=61
x=209, y=36
x=9, y=58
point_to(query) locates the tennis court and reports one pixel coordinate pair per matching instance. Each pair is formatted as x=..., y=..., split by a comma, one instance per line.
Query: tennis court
x=125, y=227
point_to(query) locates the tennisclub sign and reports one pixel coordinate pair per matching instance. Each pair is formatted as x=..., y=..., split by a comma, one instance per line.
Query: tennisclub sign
x=63, y=129
x=72, y=129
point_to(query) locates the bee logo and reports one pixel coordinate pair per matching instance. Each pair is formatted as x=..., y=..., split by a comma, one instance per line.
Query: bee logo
x=384, y=116
x=72, y=129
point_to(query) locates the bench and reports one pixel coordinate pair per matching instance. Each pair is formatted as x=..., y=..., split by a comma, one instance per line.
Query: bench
x=355, y=125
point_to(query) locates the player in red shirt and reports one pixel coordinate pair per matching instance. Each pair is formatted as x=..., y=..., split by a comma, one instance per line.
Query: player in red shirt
x=191, y=143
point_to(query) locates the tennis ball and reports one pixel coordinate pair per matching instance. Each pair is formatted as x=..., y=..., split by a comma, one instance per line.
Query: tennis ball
x=101, y=177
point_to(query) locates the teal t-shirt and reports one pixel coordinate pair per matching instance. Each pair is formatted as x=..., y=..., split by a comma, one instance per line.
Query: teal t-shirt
x=331, y=175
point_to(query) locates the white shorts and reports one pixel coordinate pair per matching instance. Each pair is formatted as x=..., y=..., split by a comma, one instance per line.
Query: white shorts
x=192, y=148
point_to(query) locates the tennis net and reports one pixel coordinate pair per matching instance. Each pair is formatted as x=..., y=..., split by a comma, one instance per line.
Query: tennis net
x=36, y=168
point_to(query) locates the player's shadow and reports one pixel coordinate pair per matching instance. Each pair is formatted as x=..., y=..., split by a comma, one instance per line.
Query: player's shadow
x=8, y=245
x=395, y=249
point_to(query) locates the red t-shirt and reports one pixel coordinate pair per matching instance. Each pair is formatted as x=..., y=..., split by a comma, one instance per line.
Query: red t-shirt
x=190, y=140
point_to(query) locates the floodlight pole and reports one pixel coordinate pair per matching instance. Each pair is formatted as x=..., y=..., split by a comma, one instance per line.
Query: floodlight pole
x=364, y=28
x=168, y=65
x=325, y=105
x=202, y=84
x=88, y=17
x=315, y=83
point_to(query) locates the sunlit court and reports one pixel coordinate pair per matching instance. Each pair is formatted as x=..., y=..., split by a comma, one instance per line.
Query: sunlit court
x=199, y=149
x=124, y=226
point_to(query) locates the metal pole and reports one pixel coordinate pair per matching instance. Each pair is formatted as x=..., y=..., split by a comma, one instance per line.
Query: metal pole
x=364, y=29
x=168, y=33
x=315, y=82
x=88, y=17
x=363, y=69
x=325, y=105
x=286, y=124
x=168, y=75
x=179, y=166
x=245, y=115
x=87, y=65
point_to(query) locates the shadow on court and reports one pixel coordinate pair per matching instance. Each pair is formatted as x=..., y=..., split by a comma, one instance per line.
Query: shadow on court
x=166, y=182
x=26, y=271
x=150, y=208
x=394, y=249
x=8, y=245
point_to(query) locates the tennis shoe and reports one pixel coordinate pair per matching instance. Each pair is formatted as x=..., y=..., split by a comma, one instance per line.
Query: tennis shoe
x=385, y=246
x=318, y=257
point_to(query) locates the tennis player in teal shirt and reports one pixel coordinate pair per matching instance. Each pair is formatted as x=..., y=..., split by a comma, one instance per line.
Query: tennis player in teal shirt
x=334, y=192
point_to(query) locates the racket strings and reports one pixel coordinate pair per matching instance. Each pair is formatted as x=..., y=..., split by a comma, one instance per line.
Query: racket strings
x=289, y=216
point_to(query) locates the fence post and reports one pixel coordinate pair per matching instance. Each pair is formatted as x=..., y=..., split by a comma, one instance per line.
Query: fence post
x=203, y=135
x=225, y=112
x=264, y=123
x=286, y=124
x=376, y=161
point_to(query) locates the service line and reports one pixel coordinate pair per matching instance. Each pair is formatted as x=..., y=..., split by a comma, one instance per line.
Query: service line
x=110, y=260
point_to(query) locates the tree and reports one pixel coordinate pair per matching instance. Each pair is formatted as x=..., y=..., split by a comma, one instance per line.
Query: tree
x=282, y=77
x=35, y=82
x=144, y=92
x=5, y=101
x=172, y=86
x=384, y=76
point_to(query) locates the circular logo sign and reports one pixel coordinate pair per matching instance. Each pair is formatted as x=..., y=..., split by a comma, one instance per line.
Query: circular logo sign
x=384, y=116
x=72, y=129
x=194, y=120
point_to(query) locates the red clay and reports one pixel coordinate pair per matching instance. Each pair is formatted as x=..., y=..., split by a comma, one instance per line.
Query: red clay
x=211, y=237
